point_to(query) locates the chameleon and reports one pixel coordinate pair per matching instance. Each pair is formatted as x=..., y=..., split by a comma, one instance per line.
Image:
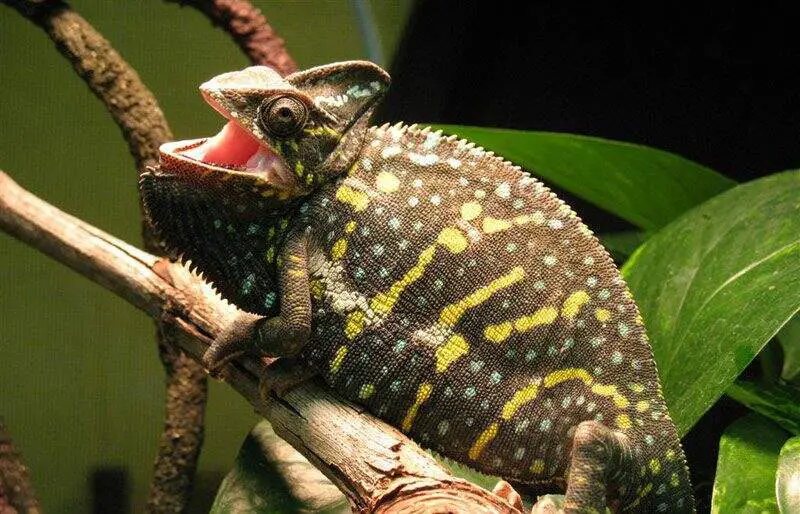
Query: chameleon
x=445, y=289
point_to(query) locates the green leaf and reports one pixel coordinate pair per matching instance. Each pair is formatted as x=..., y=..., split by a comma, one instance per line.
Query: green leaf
x=787, y=480
x=779, y=403
x=259, y=480
x=748, y=459
x=645, y=186
x=789, y=339
x=622, y=244
x=715, y=285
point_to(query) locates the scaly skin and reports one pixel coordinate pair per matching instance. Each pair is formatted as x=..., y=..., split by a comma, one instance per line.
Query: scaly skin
x=443, y=288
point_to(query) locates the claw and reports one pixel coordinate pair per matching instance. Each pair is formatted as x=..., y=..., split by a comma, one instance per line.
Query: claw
x=238, y=338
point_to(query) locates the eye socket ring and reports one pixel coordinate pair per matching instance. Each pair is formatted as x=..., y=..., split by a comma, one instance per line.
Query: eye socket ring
x=282, y=116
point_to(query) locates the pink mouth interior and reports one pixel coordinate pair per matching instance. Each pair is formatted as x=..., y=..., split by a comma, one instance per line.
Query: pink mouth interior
x=236, y=149
x=231, y=147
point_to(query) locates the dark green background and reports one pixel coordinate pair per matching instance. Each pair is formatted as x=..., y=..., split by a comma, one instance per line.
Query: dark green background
x=80, y=381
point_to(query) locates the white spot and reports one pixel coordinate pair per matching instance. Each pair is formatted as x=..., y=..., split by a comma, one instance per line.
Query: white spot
x=463, y=181
x=503, y=190
x=555, y=224
x=423, y=159
x=367, y=164
x=413, y=201
x=480, y=193
x=391, y=151
x=549, y=260
x=454, y=163
x=436, y=199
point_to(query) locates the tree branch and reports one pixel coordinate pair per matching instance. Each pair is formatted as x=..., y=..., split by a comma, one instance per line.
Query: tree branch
x=135, y=110
x=249, y=29
x=381, y=470
x=16, y=491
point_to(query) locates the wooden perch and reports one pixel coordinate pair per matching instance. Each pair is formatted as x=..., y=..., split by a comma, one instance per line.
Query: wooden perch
x=376, y=466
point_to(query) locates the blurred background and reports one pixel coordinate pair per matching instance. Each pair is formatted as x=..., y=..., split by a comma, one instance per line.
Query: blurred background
x=80, y=380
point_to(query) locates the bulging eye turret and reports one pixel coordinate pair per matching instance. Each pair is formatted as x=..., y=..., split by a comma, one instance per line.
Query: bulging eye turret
x=283, y=116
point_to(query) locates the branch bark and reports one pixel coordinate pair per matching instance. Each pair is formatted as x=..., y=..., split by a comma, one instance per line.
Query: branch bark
x=135, y=110
x=16, y=491
x=381, y=470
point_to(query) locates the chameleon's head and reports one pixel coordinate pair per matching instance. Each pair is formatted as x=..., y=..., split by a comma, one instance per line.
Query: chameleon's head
x=284, y=136
x=216, y=201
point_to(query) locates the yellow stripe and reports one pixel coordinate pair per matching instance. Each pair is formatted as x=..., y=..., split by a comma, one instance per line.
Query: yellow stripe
x=383, y=303
x=520, y=398
x=339, y=248
x=358, y=199
x=543, y=316
x=611, y=390
x=498, y=333
x=573, y=304
x=451, y=314
x=423, y=393
x=452, y=239
x=354, y=324
x=455, y=348
x=336, y=363
x=494, y=225
x=485, y=438
x=563, y=375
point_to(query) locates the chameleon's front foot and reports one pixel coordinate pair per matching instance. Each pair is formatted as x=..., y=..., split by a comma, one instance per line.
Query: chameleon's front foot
x=239, y=337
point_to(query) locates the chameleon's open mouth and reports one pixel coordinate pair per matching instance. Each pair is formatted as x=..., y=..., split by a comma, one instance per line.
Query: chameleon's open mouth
x=232, y=150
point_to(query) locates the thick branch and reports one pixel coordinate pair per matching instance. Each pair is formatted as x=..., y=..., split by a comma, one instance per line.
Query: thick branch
x=381, y=470
x=249, y=29
x=16, y=490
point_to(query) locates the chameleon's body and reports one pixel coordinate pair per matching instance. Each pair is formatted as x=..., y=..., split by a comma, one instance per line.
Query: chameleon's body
x=442, y=287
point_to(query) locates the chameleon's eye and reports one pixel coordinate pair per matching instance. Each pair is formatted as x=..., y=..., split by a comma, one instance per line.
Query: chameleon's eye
x=283, y=116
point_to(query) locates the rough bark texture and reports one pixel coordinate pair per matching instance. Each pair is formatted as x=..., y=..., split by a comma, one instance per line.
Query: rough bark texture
x=381, y=470
x=16, y=490
x=135, y=110
x=249, y=29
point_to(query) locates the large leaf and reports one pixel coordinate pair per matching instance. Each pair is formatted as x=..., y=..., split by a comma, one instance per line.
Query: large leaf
x=748, y=458
x=715, y=285
x=270, y=477
x=645, y=186
x=779, y=403
x=787, y=480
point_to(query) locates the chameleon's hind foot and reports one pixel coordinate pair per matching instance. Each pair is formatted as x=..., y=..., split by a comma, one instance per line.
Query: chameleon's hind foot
x=238, y=338
x=506, y=491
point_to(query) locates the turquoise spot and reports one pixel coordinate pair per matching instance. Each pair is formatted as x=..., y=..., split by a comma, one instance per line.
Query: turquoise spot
x=304, y=208
x=359, y=274
x=566, y=401
x=394, y=223
x=588, y=260
x=443, y=427
x=623, y=329
x=530, y=355
x=417, y=226
x=399, y=345
x=616, y=358
x=485, y=405
x=518, y=203
x=269, y=299
x=549, y=260
x=545, y=425
x=580, y=324
x=469, y=393
x=495, y=377
x=252, y=229
x=217, y=223
x=248, y=283
x=511, y=247
x=597, y=341
x=438, y=284
x=511, y=353
x=551, y=350
x=472, y=263
x=403, y=244
x=597, y=371
x=519, y=453
x=448, y=391
x=395, y=386
x=383, y=272
x=604, y=294
x=365, y=231
x=569, y=343
x=538, y=285
x=591, y=281
x=476, y=366
x=469, y=421
x=521, y=426
x=378, y=250
x=649, y=439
